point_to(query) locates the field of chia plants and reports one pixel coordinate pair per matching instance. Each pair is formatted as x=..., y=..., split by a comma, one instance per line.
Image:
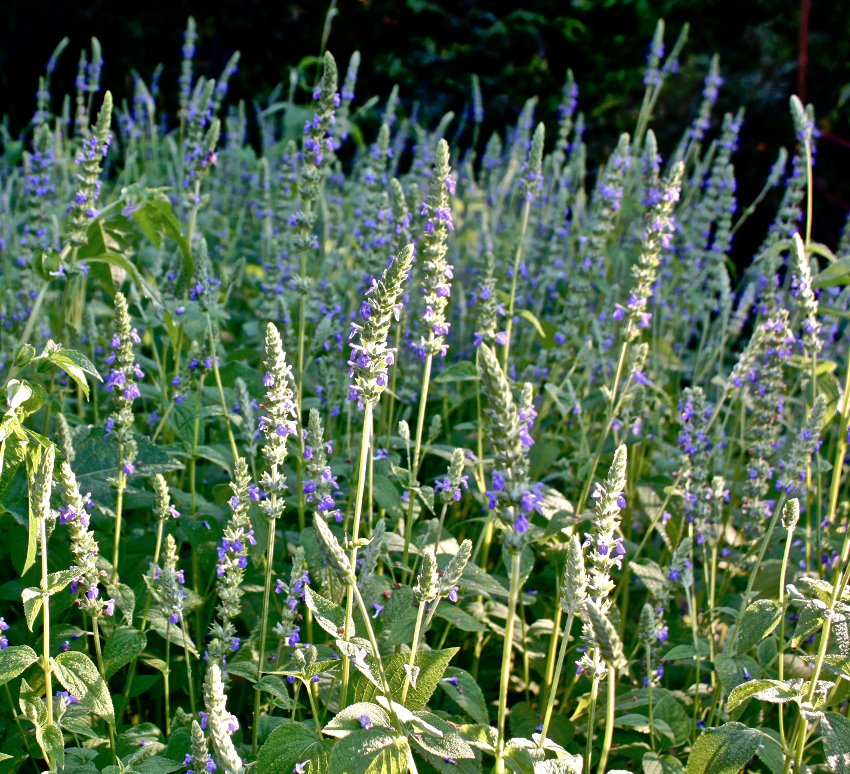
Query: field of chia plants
x=328, y=446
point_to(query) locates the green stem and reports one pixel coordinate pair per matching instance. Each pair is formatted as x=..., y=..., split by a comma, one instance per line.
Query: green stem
x=610, y=708
x=507, y=652
x=45, y=595
x=649, y=688
x=264, y=622
x=413, y=649
x=20, y=727
x=99, y=656
x=365, y=440
x=119, y=507
x=780, y=665
x=217, y=375
x=166, y=674
x=190, y=684
x=417, y=448
x=552, y=685
x=526, y=210
x=591, y=722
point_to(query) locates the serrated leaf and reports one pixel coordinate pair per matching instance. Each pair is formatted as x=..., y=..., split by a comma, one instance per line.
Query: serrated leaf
x=462, y=688
x=79, y=676
x=276, y=687
x=122, y=646
x=52, y=743
x=57, y=581
x=447, y=744
x=732, y=672
x=723, y=750
x=292, y=743
x=759, y=619
x=347, y=721
x=432, y=666
x=372, y=751
x=773, y=691
x=14, y=660
x=835, y=732
x=160, y=624
x=329, y=615
x=32, y=599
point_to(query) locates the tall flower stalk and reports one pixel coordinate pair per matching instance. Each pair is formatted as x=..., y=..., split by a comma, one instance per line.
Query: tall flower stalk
x=277, y=423
x=368, y=369
x=121, y=382
x=436, y=289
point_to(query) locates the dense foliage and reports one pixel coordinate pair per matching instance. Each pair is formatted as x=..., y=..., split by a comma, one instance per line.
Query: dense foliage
x=422, y=461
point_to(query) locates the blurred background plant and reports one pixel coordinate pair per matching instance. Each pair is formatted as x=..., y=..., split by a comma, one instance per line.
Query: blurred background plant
x=430, y=48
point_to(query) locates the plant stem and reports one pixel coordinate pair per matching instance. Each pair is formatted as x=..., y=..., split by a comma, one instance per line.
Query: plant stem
x=591, y=722
x=552, y=685
x=610, y=707
x=780, y=664
x=417, y=448
x=20, y=727
x=413, y=649
x=99, y=656
x=526, y=210
x=264, y=625
x=45, y=652
x=119, y=507
x=507, y=652
x=166, y=674
x=365, y=440
x=217, y=375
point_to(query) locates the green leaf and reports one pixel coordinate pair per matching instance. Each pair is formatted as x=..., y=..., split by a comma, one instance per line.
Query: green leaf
x=650, y=574
x=464, y=371
x=32, y=599
x=448, y=743
x=51, y=742
x=653, y=763
x=14, y=660
x=734, y=671
x=124, y=644
x=57, y=581
x=292, y=743
x=247, y=670
x=387, y=496
x=759, y=619
x=432, y=666
x=723, y=750
x=458, y=617
x=123, y=264
x=687, y=652
x=79, y=676
x=73, y=363
x=329, y=615
x=347, y=721
x=773, y=691
x=526, y=315
x=770, y=752
x=274, y=685
x=640, y=723
x=835, y=732
x=177, y=635
x=372, y=751
x=837, y=273
x=466, y=694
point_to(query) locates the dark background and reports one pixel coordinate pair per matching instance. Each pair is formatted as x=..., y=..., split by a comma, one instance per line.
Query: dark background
x=431, y=48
